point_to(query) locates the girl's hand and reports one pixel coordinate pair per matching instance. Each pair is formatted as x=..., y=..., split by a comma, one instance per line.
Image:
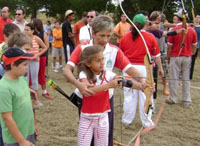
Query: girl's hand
x=115, y=83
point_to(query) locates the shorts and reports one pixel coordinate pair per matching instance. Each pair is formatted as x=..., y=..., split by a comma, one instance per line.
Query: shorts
x=57, y=52
x=31, y=138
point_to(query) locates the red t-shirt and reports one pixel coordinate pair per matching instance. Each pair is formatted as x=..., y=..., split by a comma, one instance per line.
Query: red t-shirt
x=77, y=28
x=97, y=103
x=135, y=50
x=175, y=41
x=114, y=57
x=2, y=23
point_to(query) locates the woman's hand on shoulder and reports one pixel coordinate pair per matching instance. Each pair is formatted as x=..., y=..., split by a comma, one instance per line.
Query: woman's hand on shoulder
x=84, y=88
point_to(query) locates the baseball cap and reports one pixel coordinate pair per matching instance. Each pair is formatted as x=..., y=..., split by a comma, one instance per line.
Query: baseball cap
x=179, y=13
x=140, y=18
x=13, y=54
x=68, y=12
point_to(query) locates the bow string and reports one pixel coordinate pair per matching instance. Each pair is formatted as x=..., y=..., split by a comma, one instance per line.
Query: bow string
x=184, y=24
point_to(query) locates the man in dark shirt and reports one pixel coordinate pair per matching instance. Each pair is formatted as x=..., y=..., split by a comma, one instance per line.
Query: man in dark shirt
x=67, y=34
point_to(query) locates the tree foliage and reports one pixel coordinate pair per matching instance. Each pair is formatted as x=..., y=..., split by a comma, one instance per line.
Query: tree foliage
x=168, y=7
x=57, y=8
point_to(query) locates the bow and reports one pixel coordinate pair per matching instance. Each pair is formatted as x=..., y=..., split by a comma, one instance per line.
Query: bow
x=193, y=14
x=148, y=65
x=184, y=25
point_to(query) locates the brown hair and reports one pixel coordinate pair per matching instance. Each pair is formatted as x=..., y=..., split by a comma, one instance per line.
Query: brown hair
x=38, y=24
x=134, y=32
x=10, y=28
x=86, y=56
x=154, y=15
x=19, y=39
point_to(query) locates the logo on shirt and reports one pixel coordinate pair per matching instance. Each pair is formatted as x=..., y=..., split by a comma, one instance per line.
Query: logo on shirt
x=109, y=63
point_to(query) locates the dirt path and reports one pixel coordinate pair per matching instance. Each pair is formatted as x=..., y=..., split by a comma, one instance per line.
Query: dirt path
x=178, y=126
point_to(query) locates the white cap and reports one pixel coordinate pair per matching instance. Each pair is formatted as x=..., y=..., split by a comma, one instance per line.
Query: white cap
x=68, y=12
x=179, y=13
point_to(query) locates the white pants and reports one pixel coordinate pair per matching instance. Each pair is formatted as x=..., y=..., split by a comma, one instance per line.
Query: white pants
x=93, y=125
x=130, y=103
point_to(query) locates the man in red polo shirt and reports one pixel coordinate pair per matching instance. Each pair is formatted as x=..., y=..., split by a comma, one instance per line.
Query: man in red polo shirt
x=180, y=60
x=4, y=19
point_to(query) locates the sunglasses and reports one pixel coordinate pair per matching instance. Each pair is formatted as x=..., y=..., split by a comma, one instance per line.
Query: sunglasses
x=90, y=16
x=18, y=14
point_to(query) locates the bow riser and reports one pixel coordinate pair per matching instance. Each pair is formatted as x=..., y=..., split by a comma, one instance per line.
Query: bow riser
x=150, y=82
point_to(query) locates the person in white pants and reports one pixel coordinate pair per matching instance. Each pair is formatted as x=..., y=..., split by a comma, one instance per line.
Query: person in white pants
x=134, y=49
x=131, y=97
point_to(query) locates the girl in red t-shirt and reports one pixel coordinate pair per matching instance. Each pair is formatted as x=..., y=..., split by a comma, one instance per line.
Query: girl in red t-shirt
x=95, y=108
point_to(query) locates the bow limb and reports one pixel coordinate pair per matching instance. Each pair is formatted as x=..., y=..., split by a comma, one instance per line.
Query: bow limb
x=148, y=65
x=193, y=13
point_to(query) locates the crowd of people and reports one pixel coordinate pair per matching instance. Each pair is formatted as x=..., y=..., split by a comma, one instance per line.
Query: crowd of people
x=25, y=47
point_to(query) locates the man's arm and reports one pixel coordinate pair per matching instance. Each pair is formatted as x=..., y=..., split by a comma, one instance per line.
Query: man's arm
x=194, y=49
x=72, y=38
x=117, y=34
x=70, y=34
x=194, y=43
x=169, y=50
x=14, y=130
x=116, y=31
x=160, y=68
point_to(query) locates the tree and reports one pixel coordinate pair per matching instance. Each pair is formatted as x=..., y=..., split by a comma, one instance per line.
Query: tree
x=167, y=7
x=57, y=8
x=31, y=6
x=131, y=7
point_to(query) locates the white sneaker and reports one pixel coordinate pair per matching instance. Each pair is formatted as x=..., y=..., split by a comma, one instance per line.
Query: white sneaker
x=61, y=68
x=55, y=69
x=38, y=103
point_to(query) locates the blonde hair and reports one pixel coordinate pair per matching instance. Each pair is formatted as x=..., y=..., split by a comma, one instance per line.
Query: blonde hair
x=86, y=56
